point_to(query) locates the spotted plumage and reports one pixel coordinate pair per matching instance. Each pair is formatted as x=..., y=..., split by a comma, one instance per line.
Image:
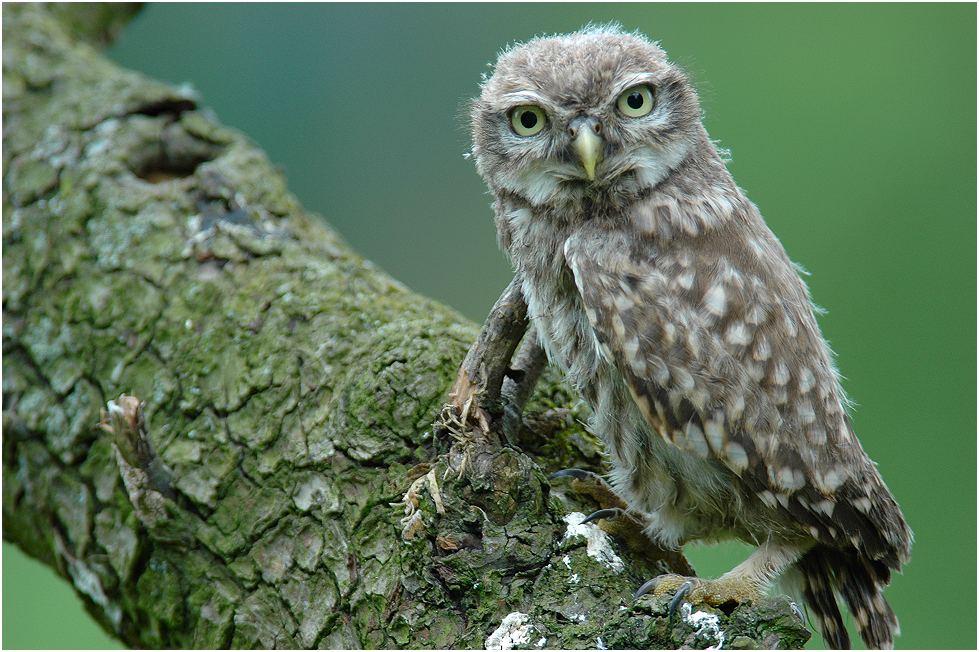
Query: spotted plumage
x=655, y=284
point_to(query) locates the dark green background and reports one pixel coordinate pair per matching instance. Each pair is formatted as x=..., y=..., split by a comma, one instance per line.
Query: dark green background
x=851, y=126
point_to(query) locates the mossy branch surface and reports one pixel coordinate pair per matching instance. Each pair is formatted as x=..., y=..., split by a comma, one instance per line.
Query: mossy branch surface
x=293, y=494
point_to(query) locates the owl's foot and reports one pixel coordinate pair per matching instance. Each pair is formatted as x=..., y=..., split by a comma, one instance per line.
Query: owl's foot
x=594, y=486
x=476, y=394
x=610, y=512
x=724, y=593
x=578, y=474
x=496, y=379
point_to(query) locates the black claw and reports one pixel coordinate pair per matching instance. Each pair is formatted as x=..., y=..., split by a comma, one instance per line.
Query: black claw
x=678, y=598
x=577, y=474
x=647, y=586
x=798, y=612
x=611, y=512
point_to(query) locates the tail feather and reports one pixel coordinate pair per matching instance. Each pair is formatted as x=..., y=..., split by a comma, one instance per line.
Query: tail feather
x=862, y=585
x=860, y=581
x=817, y=591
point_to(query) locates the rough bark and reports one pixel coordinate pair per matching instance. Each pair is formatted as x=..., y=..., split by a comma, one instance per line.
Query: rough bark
x=281, y=485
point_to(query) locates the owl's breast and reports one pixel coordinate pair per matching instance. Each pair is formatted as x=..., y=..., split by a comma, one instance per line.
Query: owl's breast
x=535, y=244
x=564, y=332
x=556, y=311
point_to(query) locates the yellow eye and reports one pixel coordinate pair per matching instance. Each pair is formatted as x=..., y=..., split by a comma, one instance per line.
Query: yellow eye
x=637, y=101
x=527, y=120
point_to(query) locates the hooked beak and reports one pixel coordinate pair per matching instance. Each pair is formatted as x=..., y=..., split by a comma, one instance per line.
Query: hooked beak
x=587, y=143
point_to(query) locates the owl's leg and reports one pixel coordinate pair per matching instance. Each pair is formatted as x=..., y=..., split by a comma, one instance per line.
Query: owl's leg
x=595, y=487
x=746, y=582
x=621, y=522
x=611, y=505
x=521, y=378
x=476, y=393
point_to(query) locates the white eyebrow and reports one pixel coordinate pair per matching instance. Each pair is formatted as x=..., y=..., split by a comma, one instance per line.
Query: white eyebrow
x=523, y=97
x=633, y=80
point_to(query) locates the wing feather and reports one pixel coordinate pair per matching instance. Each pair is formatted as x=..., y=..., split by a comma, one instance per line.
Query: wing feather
x=721, y=352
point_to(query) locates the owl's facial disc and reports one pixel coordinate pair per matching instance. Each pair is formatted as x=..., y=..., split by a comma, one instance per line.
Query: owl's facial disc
x=587, y=143
x=598, y=116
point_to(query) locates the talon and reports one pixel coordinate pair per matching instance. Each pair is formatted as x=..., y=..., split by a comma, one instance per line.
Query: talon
x=678, y=598
x=647, y=586
x=577, y=474
x=611, y=512
x=798, y=612
x=594, y=486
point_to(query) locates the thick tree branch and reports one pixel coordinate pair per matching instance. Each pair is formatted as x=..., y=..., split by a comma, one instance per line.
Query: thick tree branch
x=271, y=477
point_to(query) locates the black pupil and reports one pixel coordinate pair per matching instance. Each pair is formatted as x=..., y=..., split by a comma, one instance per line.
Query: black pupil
x=528, y=119
x=635, y=100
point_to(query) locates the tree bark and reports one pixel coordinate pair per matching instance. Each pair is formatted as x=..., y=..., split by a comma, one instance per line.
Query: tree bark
x=273, y=477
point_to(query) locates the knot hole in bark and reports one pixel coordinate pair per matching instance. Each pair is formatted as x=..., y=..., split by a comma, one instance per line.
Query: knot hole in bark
x=174, y=153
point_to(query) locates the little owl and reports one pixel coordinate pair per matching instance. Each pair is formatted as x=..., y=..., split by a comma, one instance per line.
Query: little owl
x=654, y=283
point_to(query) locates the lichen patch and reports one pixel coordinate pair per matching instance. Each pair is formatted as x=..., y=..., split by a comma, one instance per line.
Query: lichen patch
x=513, y=631
x=706, y=625
x=599, y=544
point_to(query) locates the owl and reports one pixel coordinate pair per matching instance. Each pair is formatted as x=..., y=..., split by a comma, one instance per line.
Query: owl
x=657, y=287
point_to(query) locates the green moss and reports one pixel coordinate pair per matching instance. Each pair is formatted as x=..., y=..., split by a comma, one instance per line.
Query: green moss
x=369, y=621
x=93, y=22
x=82, y=411
x=99, y=457
x=35, y=179
x=197, y=125
x=313, y=603
x=71, y=502
x=262, y=620
x=160, y=592
x=215, y=616
x=120, y=538
x=244, y=512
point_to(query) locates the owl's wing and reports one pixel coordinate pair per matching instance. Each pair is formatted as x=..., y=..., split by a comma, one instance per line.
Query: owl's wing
x=722, y=354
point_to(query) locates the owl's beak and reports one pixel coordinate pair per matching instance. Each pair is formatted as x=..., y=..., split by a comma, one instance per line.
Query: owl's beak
x=587, y=143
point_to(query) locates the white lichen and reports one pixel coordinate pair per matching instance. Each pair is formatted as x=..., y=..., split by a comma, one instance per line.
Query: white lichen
x=574, y=579
x=600, y=644
x=599, y=544
x=514, y=630
x=316, y=491
x=542, y=642
x=706, y=626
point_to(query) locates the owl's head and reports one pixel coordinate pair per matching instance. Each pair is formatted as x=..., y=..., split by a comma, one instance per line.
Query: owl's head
x=596, y=112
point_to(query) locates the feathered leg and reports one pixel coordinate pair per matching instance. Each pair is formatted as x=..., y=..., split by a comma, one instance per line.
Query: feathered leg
x=746, y=582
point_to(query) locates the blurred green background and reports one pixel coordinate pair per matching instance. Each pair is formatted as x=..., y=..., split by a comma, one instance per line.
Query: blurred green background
x=851, y=126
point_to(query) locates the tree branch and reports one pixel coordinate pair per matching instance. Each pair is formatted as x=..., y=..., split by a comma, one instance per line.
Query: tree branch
x=270, y=478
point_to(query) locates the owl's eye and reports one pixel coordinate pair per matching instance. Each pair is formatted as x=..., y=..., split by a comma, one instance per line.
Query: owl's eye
x=527, y=120
x=637, y=101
